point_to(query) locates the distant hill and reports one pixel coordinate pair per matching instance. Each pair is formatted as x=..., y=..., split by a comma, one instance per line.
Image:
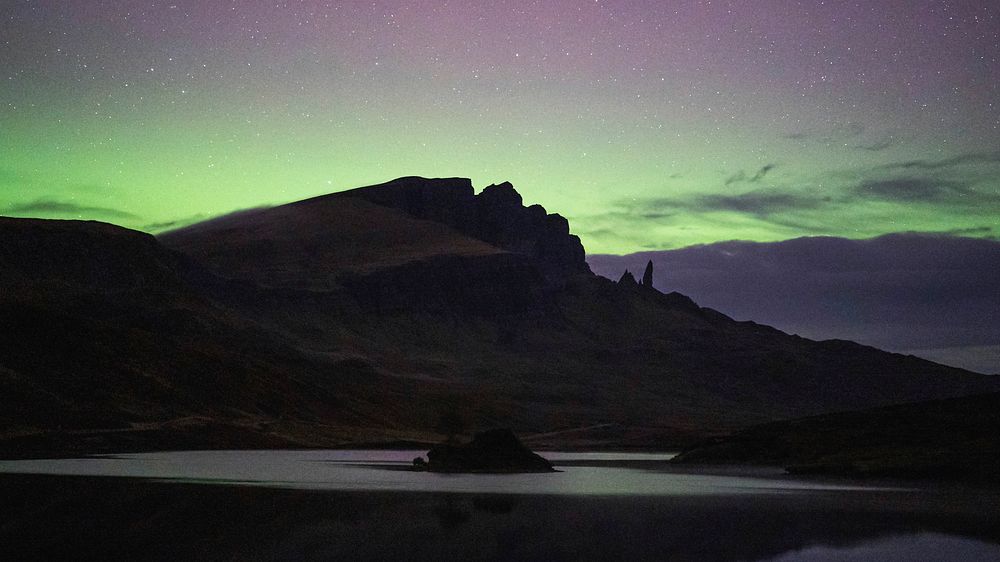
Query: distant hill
x=372, y=315
x=953, y=438
x=926, y=294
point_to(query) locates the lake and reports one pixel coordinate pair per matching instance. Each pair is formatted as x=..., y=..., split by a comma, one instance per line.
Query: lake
x=366, y=505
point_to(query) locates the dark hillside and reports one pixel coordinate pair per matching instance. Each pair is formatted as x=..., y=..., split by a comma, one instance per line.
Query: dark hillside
x=370, y=315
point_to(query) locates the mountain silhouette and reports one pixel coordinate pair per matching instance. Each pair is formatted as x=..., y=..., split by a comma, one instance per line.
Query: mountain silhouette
x=370, y=315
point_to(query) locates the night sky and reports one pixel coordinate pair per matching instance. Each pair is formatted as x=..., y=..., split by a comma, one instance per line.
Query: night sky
x=649, y=124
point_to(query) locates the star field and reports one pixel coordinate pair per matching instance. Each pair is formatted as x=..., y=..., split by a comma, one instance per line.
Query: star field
x=649, y=124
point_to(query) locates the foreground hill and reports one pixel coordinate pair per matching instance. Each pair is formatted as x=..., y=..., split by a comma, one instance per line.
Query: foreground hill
x=953, y=438
x=398, y=311
x=107, y=340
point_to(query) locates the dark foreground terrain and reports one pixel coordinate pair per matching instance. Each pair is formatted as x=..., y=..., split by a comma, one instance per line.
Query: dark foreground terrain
x=64, y=518
x=957, y=439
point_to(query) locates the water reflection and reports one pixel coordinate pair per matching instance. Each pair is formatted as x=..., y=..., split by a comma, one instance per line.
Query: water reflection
x=900, y=548
x=299, y=508
x=580, y=473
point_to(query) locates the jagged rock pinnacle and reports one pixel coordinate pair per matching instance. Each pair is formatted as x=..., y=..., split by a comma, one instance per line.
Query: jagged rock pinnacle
x=496, y=216
x=647, y=276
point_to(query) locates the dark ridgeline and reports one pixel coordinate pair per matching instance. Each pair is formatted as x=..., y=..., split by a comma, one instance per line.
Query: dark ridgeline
x=354, y=317
x=898, y=291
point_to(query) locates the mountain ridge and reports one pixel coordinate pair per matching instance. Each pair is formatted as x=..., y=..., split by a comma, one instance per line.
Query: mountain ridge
x=268, y=350
x=924, y=294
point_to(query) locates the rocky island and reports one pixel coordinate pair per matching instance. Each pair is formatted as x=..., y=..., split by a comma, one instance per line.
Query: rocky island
x=493, y=451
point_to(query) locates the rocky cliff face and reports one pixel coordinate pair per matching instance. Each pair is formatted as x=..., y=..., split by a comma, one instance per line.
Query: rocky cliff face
x=491, y=286
x=412, y=244
x=496, y=216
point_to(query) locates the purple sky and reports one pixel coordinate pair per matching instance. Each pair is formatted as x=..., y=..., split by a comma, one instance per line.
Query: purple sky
x=650, y=125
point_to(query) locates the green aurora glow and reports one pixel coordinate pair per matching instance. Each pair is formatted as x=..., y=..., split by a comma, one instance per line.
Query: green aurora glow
x=648, y=128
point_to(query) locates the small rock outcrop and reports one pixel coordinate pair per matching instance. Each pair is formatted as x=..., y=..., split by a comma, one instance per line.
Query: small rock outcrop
x=493, y=451
x=627, y=279
x=647, y=276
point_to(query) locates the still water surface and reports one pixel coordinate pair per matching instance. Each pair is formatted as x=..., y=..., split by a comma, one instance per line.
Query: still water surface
x=630, y=474
x=303, y=505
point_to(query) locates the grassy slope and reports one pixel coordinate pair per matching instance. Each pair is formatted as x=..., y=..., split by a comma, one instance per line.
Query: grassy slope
x=306, y=246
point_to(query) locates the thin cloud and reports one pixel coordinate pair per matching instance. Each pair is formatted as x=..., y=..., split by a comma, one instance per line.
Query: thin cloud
x=968, y=158
x=741, y=176
x=925, y=190
x=855, y=135
x=878, y=146
x=199, y=221
x=158, y=227
x=760, y=203
x=912, y=189
x=976, y=231
x=838, y=133
x=649, y=209
x=54, y=207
